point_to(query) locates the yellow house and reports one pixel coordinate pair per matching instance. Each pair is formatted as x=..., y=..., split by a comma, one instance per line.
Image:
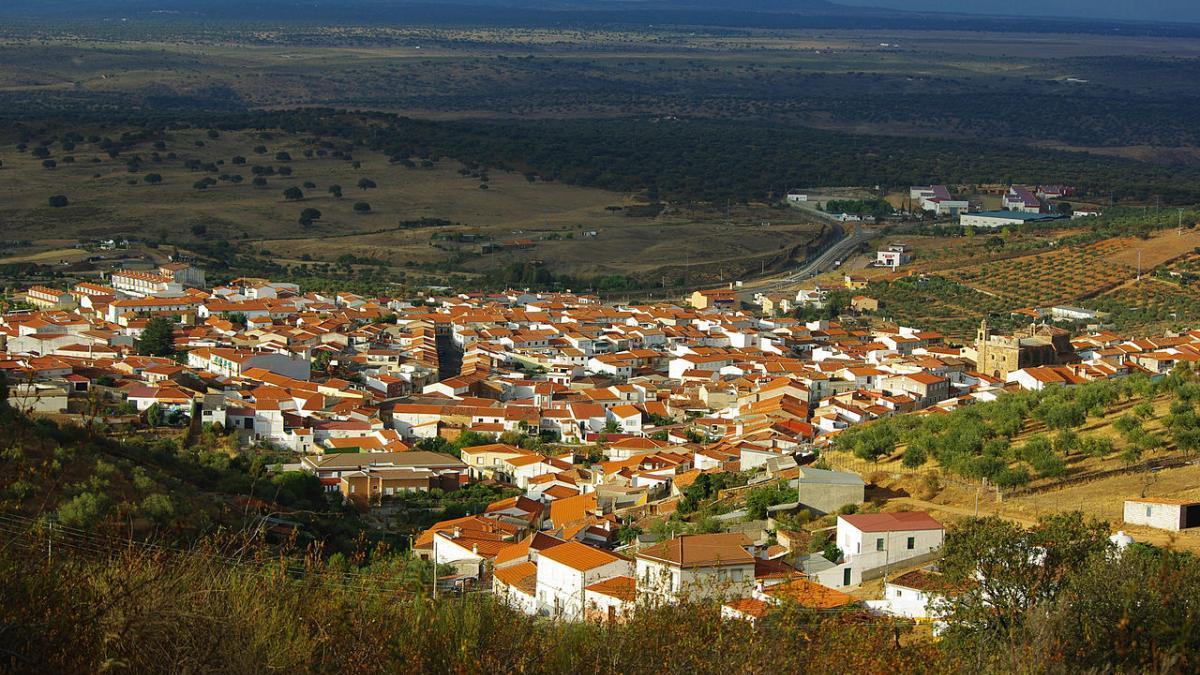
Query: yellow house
x=863, y=303
x=855, y=283
x=720, y=297
x=776, y=304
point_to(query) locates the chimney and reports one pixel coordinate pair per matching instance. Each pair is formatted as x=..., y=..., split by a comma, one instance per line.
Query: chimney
x=457, y=533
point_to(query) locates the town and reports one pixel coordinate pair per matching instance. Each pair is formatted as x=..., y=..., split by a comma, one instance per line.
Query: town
x=602, y=423
x=603, y=337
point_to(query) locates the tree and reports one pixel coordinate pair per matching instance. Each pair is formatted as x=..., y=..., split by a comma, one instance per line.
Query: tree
x=58, y=201
x=626, y=534
x=914, y=456
x=152, y=178
x=199, y=230
x=762, y=498
x=365, y=184
x=157, y=338
x=362, y=207
x=1128, y=612
x=83, y=511
x=307, y=216
x=259, y=181
x=321, y=359
x=155, y=415
x=293, y=193
x=1060, y=414
x=49, y=163
x=283, y=157
x=238, y=159
x=875, y=441
x=336, y=191
x=1007, y=570
x=1143, y=410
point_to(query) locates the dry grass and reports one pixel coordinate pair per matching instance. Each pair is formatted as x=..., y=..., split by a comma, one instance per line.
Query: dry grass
x=1163, y=247
x=556, y=216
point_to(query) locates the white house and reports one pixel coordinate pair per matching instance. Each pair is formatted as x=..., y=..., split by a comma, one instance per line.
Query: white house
x=142, y=284
x=697, y=566
x=914, y=595
x=893, y=256
x=610, y=600
x=938, y=200
x=516, y=586
x=880, y=539
x=235, y=362
x=1163, y=514
x=565, y=571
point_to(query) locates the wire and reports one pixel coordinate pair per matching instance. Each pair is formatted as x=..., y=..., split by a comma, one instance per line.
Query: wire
x=37, y=530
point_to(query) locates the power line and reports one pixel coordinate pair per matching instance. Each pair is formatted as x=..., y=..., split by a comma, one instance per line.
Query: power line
x=104, y=545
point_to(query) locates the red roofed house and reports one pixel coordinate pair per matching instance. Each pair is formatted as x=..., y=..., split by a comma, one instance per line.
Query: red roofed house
x=874, y=540
x=564, y=572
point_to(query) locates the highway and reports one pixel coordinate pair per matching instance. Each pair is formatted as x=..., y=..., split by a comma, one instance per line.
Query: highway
x=822, y=263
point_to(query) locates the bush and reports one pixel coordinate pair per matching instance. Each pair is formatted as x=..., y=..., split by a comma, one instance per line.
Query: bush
x=83, y=511
x=58, y=201
x=1011, y=477
x=158, y=507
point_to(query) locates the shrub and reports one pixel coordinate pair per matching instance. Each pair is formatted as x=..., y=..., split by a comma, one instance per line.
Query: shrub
x=83, y=511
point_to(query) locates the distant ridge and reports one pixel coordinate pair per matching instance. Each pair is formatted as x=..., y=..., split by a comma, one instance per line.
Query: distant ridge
x=742, y=14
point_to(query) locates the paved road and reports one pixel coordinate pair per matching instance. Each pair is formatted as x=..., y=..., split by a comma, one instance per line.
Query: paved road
x=822, y=263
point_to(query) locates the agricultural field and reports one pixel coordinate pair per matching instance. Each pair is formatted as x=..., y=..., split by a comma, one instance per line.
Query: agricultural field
x=1058, y=276
x=1088, y=447
x=939, y=304
x=1150, y=304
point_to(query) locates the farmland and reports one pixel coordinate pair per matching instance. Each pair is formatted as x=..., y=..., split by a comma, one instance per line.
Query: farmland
x=1050, y=451
x=1057, y=276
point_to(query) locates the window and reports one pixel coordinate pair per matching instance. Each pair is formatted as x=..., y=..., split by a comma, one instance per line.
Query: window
x=911, y=543
x=879, y=544
x=1148, y=511
x=736, y=575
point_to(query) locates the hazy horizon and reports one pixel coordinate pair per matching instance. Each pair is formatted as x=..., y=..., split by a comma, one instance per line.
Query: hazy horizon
x=1146, y=10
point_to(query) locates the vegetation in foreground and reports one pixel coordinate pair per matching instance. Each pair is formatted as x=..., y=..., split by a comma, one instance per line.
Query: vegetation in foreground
x=1054, y=598
x=116, y=593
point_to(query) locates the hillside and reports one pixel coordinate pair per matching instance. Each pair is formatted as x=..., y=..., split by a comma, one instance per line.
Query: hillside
x=172, y=490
